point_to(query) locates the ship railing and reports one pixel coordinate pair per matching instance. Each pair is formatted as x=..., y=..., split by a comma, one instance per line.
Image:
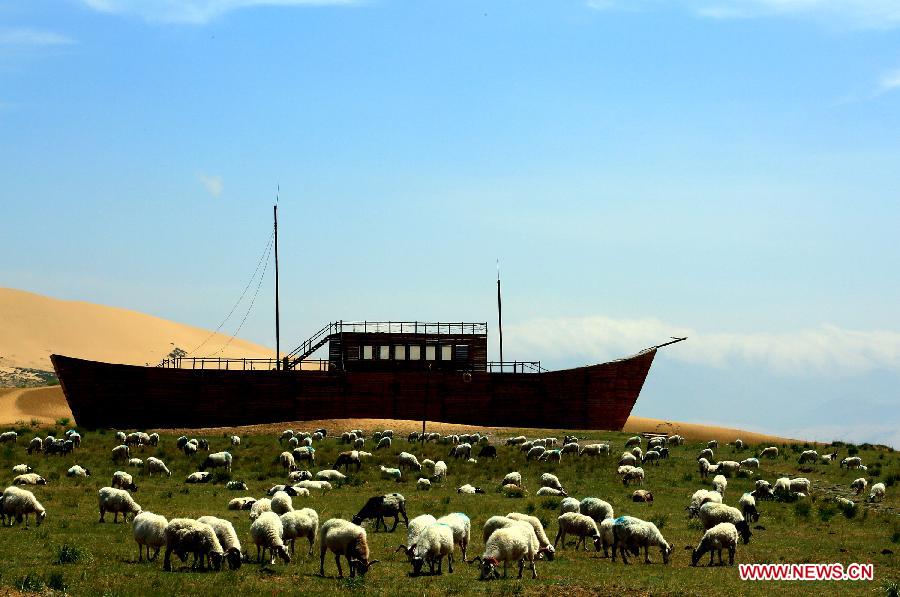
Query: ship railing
x=413, y=327
x=238, y=364
x=514, y=367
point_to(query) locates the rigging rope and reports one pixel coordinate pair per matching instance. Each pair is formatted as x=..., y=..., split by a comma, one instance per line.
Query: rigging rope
x=262, y=277
x=263, y=257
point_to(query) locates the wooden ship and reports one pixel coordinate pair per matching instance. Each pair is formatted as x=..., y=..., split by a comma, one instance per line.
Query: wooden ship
x=380, y=370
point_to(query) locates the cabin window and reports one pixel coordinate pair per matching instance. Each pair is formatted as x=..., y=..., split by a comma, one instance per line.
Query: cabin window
x=353, y=353
x=462, y=352
x=415, y=353
x=447, y=352
x=399, y=352
x=368, y=353
x=430, y=352
x=384, y=353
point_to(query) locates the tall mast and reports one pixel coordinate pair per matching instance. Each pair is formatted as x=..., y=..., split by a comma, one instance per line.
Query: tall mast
x=500, y=315
x=277, y=314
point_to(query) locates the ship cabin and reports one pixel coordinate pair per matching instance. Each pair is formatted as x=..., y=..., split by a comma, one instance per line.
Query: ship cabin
x=368, y=346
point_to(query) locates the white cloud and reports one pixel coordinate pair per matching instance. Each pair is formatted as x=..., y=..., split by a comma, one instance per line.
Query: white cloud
x=24, y=36
x=193, y=12
x=826, y=350
x=889, y=81
x=858, y=14
x=213, y=184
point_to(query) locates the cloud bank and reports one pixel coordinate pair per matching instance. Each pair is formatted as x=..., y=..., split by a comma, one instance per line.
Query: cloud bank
x=193, y=12
x=25, y=36
x=826, y=350
x=213, y=184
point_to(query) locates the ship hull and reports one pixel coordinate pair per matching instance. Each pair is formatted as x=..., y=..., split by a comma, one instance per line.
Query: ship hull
x=104, y=395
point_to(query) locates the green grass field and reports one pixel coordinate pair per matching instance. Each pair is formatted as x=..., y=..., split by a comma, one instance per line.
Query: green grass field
x=105, y=556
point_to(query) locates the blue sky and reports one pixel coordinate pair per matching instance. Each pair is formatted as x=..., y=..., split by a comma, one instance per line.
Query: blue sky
x=724, y=169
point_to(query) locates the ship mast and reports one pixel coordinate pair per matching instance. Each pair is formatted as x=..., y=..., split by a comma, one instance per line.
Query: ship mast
x=499, y=315
x=277, y=313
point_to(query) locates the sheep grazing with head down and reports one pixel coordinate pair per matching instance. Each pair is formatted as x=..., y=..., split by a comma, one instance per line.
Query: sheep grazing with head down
x=747, y=504
x=635, y=474
x=514, y=478
x=633, y=441
x=149, y=530
x=851, y=462
x=123, y=480
x=750, y=463
x=281, y=503
x=440, y=471
x=551, y=492
x=721, y=536
x=18, y=503
x=29, y=479
x=217, y=460
x=259, y=507
x=641, y=495
x=267, y=532
x=186, y=536
x=720, y=483
x=569, y=504
x=596, y=508
x=581, y=526
x=241, y=503
x=381, y=506
x=700, y=497
x=515, y=543
x=627, y=459
x=343, y=538
x=594, y=450
x=712, y=514
x=786, y=488
x=413, y=530
x=770, y=452
x=348, y=459
x=300, y=524
x=78, y=471
x=433, y=544
x=155, y=465
x=630, y=534
x=117, y=501
x=227, y=537
x=543, y=541
x=551, y=480
x=808, y=456
x=461, y=526
x=877, y=493
x=859, y=485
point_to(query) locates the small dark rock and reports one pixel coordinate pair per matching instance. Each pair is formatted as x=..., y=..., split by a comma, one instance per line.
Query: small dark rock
x=886, y=552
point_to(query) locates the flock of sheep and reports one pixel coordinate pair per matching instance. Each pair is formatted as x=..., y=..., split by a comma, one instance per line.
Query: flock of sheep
x=514, y=538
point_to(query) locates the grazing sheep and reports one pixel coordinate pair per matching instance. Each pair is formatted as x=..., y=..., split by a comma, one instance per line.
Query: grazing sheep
x=729, y=467
x=297, y=476
x=187, y=536
x=516, y=543
x=266, y=533
x=153, y=439
x=286, y=435
x=594, y=450
x=299, y=524
x=828, y=458
x=317, y=484
x=304, y=453
x=384, y=442
x=652, y=456
x=348, y=459
x=236, y=486
x=515, y=441
x=851, y=462
x=552, y=456
x=259, y=507
x=637, y=453
x=641, y=495
x=135, y=462
x=496, y=522
x=763, y=490
x=149, y=530
x=514, y=478
x=378, y=507
x=123, y=480
x=440, y=471
x=635, y=474
x=543, y=541
x=408, y=461
x=461, y=526
x=228, y=539
x=722, y=536
x=155, y=465
x=331, y=476
x=413, y=529
x=705, y=453
x=675, y=440
x=281, y=502
x=29, y=479
x=423, y=484
x=191, y=447
x=770, y=452
x=748, y=507
x=8, y=437
x=78, y=471
x=346, y=539
x=469, y=489
x=569, y=504
x=630, y=534
x=433, y=544
x=287, y=461
x=596, y=508
x=581, y=526
x=390, y=473
x=198, y=477
x=21, y=469
x=859, y=485
x=720, y=483
x=713, y=514
x=703, y=467
x=808, y=456
x=785, y=487
x=217, y=460
x=535, y=453
x=551, y=491
x=551, y=480
x=18, y=503
x=119, y=453
x=738, y=445
x=513, y=491
x=487, y=451
x=627, y=459
x=877, y=493
x=293, y=442
x=633, y=441
x=115, y=500
x=241, y=503
x=750, y=463
x=700, y=497
x=235, y=440
x=571, y=448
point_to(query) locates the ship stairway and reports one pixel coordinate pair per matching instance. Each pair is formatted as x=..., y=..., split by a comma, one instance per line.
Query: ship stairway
x=312, y=344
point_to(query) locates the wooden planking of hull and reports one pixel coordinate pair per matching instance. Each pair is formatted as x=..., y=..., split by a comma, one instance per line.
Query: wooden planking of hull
x=104, y=395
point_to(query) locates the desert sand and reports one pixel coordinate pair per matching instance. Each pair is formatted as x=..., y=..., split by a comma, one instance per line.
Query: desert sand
x=32, y=327
x=47, y=404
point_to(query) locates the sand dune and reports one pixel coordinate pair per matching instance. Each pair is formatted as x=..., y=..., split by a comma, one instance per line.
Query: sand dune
x=47, y=404
x=32, y=327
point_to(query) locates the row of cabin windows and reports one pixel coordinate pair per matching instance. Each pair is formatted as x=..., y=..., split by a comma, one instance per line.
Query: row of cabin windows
x=413, y=352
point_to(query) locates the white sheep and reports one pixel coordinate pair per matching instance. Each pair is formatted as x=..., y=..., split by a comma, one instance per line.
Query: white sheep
x=747, y=504
x=187, y=536
x=29, y=479
x=461, y=526
x=720, y=483
x=808, y=456
x=515, y=441
x=750, y=463
x=627, y=459
x=552, y=456
x=712, y=514
x=317, y=484
x=551, y=492
x=569, y=504
x=516, y=543
x=287, y=461
x=123, y=480
x=266, y=533
x=416, y=526
x=18, y=503
x=198, y=477
x=405, y=460
x=281, y=502
x=217, y=460
x=571, y=448
x=729, y=467
x=149, y=530
x=851, y=462
x=241, y=503
x=300, y=524
x=155, y=465
x=121, y=437
x=78, y=471
x=594, y=450
x=390, y=473
x=705, y=453
x=514, y=478
x=596, y=508
x=721, y=536
x=331, y=476
x=543, y=541
x=535, y=453
x=21, y=469
x=8, y=437
x=384, y=442
x=580, y=525
x=637, y=453
x=551, y=480
x=423, y=484
x=116, y=501
x=630, y=534
x=493, y=523
x=235, y=440
x=440, y=471
x=859, y=485
x=433, y=544
x=135, y=462
x=343, y=538
x=260, y=507
x=633, y=441
x=785, y=487
x=702, y=496
x=635, y=474
x=877, y=493
x=770, y=452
